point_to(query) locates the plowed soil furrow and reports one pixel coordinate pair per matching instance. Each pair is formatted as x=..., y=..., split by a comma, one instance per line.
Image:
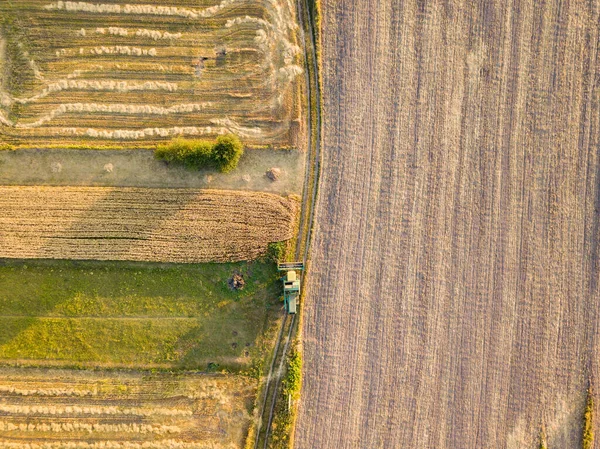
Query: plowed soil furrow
x=453, y=299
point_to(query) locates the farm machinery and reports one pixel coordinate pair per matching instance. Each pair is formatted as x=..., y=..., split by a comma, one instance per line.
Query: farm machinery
x=291, y=284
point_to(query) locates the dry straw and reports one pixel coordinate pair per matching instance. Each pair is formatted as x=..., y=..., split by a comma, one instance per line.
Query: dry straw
x=125, y=109
x=99, y=85
x=162, y=225
x=139, y=9
x=112, y=444
x=77, y=426
x=75, y=410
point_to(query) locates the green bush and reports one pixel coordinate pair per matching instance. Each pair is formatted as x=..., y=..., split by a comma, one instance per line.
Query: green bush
x=293, y=378
x=588, y=421
x=276, y=251
x=227, y=152
x=223, y=155
x=6, y=147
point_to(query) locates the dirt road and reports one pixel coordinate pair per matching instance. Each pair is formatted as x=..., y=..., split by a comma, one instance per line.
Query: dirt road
x=453, y=299
x=139, y=168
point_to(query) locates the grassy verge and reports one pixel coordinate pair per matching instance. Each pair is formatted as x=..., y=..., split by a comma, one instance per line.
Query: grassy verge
x=137, y=314
x=286, y=409
x=311, y=16
x=122, y=146
x=82, y=146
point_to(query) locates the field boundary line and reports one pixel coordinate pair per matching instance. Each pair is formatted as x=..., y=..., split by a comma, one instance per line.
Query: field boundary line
x=312, y=173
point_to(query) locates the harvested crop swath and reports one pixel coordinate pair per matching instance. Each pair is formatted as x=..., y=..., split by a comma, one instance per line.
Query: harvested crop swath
x=240, y=55
x=168, y=225
x=122, y=410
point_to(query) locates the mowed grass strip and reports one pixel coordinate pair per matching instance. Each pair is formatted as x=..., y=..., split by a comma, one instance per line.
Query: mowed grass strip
x=134, y=314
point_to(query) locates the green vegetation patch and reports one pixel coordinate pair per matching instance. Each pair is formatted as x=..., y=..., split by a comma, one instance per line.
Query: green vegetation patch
x=543, y=439
x=293, y=377
x=588, y=421
x=134, y=314
x=224, y=154
x=286, y=409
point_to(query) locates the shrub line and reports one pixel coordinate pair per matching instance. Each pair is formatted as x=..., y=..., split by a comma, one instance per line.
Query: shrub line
x=224, y=154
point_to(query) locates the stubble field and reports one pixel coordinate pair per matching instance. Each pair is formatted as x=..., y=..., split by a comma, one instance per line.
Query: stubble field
x=56, y=409
x=453, y=297
x=140, y=71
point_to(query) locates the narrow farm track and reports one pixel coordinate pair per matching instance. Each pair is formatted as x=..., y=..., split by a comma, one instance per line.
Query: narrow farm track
x=311, y=180
x=453, y=297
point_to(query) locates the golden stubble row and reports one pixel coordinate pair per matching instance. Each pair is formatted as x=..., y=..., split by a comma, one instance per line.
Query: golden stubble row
x=159, y=225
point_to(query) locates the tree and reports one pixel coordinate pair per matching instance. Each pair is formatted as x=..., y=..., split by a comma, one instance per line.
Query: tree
x=227, y=152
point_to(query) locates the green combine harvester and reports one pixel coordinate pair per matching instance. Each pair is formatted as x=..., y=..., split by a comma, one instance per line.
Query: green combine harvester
x=291, y=285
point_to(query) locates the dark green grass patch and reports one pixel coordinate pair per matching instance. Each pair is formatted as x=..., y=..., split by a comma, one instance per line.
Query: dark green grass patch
x=136, y=314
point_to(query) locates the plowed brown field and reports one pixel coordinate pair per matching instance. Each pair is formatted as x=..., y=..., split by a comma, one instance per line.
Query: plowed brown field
x=156, y=225
x=453, y=299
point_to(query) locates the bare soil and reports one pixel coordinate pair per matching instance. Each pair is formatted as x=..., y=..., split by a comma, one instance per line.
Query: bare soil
x=453, y=297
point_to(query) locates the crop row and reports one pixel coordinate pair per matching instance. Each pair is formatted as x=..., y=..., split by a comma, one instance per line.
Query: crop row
x=76, y=386
x=141, y=224
x=114, y=444
x=98, y=410
x=78, y=426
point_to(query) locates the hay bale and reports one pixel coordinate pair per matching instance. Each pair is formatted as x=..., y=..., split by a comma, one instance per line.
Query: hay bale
x=273, y=173
x=237, y=282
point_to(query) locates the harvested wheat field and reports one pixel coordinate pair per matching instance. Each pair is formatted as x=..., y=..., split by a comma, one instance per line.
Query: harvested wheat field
x=56, y=409
x=453, y=296
x=141, y=71
x=161, y=225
